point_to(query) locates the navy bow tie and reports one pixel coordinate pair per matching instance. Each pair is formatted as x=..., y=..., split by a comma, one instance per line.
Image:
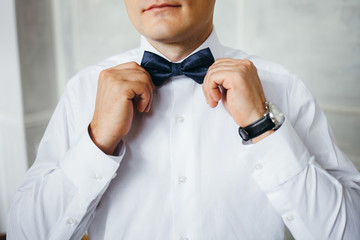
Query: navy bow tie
x=195, y=66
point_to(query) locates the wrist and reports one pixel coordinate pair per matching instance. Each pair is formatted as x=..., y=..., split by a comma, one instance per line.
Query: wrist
x=264, y=126
x=262, y=136
x=253, y=118
x=104, y=143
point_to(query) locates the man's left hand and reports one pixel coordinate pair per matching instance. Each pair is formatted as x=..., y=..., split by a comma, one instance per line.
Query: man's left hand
x=237, y=84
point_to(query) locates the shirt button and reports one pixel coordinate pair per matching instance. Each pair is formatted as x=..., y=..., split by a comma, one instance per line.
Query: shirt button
x=182, y=179
x=98, y=177
x=290, y=218
x=258, y=166
x=180, y=119
x=71, y=221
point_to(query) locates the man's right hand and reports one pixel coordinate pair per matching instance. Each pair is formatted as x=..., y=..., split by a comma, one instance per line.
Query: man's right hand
x=121, y=89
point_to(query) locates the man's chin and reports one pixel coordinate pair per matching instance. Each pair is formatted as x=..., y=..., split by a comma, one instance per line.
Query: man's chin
x=165, y=36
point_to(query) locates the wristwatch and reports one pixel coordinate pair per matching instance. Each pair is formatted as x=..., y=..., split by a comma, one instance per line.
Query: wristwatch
x=272, y=119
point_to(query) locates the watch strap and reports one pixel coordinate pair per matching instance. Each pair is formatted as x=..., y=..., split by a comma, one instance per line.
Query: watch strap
x=257, y=128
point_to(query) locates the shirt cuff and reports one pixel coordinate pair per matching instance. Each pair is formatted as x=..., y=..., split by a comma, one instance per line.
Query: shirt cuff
x=88, y=168
x=277, y=158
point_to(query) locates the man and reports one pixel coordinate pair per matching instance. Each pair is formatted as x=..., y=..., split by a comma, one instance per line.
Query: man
x=125, y=159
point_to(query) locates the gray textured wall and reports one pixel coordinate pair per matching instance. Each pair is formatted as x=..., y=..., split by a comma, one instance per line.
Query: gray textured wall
x=38, y=73
x=13, y=162
x=318, y=40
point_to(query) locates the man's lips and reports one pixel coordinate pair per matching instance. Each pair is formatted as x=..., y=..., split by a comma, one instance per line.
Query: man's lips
x=161, y=6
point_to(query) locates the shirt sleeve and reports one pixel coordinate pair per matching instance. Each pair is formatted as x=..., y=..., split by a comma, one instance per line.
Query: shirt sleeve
x=306, y=177
x=61, y=190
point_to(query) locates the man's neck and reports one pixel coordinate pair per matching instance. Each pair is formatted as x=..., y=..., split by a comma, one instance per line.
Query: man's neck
x=176, y=51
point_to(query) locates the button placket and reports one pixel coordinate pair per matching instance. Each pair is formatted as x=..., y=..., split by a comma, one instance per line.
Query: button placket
x=180, y=119
x=184, y=238
x=258, y=166
x=182, y=179
x=182, y=161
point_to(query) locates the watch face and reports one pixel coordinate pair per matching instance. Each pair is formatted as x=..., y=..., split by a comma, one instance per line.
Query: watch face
x=276, y=115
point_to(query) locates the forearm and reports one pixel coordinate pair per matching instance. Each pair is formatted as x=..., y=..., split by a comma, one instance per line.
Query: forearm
x=57, y=200
x=314, y=203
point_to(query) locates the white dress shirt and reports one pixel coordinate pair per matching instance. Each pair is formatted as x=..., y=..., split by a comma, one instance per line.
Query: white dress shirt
x=183, y=171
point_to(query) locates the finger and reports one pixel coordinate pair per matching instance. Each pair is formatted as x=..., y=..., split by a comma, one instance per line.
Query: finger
x=214, y=91
x=237, y=64
x=140, y=94
x=217, y=64
x=211, y=90
x=134, y=67
x=127, y=65
x=228, y=68
x=143, y=88
x=233, y=66
x=206, y=91
x=148, y=78
x=147, y=109
x=143, y=76
x=151, y=87
x=131, y=66
x=144, y=100
x=232, y=60
x=226, y=61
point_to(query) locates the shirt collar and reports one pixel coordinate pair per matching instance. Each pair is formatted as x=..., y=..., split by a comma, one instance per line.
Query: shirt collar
x=211, y=42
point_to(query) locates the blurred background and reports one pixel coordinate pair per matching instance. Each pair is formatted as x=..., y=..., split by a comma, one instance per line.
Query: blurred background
x=45, y=42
